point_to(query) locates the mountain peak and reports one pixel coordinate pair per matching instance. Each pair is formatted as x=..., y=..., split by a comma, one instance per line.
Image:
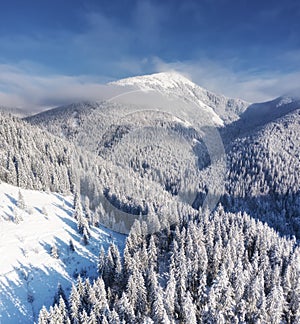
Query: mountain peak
x=162, y=80
x=174, y=84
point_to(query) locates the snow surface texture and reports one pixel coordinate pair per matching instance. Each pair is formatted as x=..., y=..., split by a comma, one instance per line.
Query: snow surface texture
x=29, y=275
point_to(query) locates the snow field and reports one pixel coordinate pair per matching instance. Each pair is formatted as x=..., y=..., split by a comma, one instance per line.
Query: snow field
x=29, y=275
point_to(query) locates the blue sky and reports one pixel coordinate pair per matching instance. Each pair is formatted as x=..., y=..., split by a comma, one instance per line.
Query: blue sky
x=52, y=52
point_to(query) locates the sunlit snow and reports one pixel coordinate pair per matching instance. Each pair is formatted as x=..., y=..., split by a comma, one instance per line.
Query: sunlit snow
x=29, y=275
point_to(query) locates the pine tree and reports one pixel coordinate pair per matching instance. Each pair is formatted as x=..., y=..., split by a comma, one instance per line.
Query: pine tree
x=56, y=316
x=113, y=267
x=21, y=202
x=101, y=304
x=152, y=253
x=104, y=320
x=43, y=316
x=136, y=292
x=76, y=202
x=75, y=306
x=92, y=318
x=17, y=217
x=78, y=215
x=113, y=317
x=82, y=222
x=71, y=246
x=125, y=309
x=152, y=285
x=54, y=252
x=158, y=312
x=85, y=236
x=189, y=309
x=84, y=319
x=275, y=305
x=63, y=309
x=292, y=289
x=170, y=294
x=101, y=262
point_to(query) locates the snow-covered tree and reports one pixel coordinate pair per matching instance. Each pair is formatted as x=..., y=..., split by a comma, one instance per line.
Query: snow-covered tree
x=54, y=251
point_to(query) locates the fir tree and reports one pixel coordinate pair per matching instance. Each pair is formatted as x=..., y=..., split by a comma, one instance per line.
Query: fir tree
x=43, y=316
x=71, y=246
x=21, y=202
x=54, y=252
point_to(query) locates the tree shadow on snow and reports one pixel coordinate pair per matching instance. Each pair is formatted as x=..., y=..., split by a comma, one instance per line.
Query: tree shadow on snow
x=11, y=198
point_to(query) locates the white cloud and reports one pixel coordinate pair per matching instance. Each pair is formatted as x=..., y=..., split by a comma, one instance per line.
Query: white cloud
x=19, y=88
x=112, y=48
x=252, y=86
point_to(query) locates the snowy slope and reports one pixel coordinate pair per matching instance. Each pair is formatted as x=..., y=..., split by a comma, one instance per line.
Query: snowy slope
x=262, y=113
x=29, y=275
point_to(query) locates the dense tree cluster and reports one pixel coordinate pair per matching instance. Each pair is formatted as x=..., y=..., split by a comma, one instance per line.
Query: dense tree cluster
x=151, y=144
x=264, y=174
x=219, y=268
x=32, y=158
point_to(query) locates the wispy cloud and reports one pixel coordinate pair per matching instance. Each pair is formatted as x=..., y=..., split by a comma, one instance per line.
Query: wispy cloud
x=250, y=85
x=21, y=87
x=18, y=88
x=109, y=47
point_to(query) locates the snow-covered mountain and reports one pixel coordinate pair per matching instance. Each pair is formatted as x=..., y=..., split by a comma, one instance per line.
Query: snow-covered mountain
x=77, y=120
x=217, y=108
x=167, y=102
x=174, y=84
x=155, y=154
x=120, y=132
x=155, y=136
x=262, y=113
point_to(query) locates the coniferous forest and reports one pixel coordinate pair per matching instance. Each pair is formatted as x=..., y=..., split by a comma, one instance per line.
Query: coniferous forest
x=182, y=262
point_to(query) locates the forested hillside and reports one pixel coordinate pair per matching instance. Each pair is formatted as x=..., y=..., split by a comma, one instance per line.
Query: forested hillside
x=213, y=193
x=262, y=149
x=264, y=174
x=32, y=158
x=219, y=268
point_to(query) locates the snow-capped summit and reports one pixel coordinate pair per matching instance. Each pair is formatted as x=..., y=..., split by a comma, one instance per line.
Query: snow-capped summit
x=175, y=84
x=159, y=81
